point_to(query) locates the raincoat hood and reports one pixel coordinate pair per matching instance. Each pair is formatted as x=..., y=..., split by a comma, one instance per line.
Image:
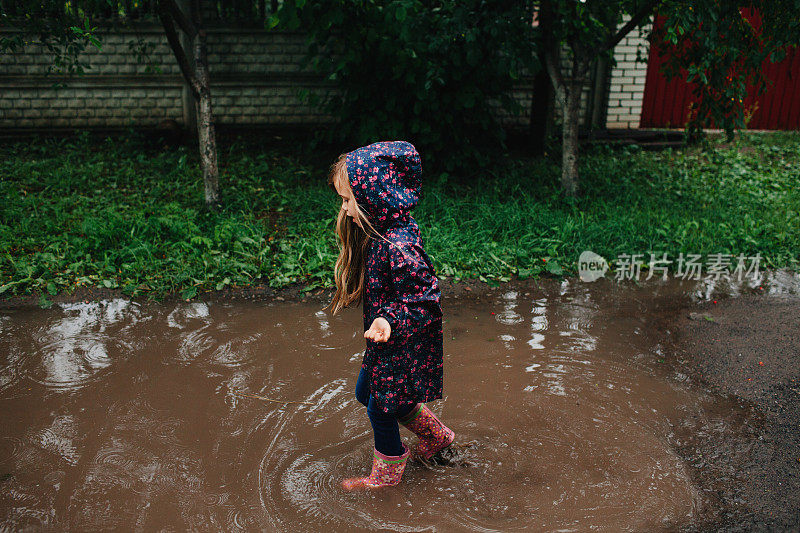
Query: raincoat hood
x=386, y=178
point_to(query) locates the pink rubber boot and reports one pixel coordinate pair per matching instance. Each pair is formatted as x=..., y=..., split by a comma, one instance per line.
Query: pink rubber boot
x=433, y=435
x=387, y=470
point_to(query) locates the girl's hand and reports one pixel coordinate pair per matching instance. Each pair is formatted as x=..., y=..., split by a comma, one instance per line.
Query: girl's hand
x=379, y=331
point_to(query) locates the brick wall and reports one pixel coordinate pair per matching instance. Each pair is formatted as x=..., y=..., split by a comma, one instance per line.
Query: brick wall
x=256, y=79
x=626, y=84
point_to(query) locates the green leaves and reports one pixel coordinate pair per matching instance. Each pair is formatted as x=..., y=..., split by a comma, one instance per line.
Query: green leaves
x=721, y=51
x=427, y=74
x=553, y=267
x=189, y=292
x=150, y=236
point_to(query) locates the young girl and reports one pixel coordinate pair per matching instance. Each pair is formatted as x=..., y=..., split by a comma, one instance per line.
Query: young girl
x=382, y=261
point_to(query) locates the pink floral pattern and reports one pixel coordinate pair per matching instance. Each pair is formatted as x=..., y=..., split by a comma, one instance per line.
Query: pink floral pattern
x=433, y=434
x=386, y=471
x=400, y=281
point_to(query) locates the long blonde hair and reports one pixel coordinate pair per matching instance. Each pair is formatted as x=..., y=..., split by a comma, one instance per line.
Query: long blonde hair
x=353, y=240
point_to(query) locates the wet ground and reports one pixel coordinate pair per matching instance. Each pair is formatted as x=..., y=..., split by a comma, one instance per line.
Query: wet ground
x=747, y=349
x=577, y=407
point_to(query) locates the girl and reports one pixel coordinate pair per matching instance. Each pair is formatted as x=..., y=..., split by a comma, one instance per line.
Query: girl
x=382, y=261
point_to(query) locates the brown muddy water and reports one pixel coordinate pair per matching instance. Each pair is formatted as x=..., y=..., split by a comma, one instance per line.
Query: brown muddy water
x=143, y=416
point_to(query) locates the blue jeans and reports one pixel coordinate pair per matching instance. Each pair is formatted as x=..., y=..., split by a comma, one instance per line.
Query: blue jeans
x=384, y=425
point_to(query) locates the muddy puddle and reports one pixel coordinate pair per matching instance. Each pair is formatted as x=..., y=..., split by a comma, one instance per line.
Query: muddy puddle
x=144, y=416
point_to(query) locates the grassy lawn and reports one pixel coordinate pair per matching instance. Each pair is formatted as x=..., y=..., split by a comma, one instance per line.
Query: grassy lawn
x=121, y=212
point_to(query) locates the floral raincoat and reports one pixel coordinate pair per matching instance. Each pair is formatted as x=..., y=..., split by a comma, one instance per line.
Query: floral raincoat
x=400, y=281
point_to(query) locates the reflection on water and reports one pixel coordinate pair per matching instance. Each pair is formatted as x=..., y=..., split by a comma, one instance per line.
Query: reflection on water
x=125, y=415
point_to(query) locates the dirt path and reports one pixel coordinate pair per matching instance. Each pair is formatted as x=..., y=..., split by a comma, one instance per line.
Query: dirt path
x=747, y=348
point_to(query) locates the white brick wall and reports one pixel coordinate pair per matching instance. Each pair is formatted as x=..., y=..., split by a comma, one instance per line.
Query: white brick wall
x=626, y=89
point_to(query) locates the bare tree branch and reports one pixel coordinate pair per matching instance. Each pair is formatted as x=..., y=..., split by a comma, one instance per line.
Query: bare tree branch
x=554, y=68
x=572, y=36
x=196, y=13
x=646, y=9
x=549, y=50
x=183, y=21
x=180, y=54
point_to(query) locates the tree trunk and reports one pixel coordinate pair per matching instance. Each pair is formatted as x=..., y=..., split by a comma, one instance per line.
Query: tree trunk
x=188, y=101
x=542, y=93
x=539, y=112
x=196, y=76
x=569, y=162
x=207, y=138
x=568, y=90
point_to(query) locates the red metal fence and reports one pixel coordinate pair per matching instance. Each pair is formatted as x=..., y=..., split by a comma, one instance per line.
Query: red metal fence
x=666, y=103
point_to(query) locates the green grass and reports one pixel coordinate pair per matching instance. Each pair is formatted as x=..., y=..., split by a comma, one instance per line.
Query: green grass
x=121, y=212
